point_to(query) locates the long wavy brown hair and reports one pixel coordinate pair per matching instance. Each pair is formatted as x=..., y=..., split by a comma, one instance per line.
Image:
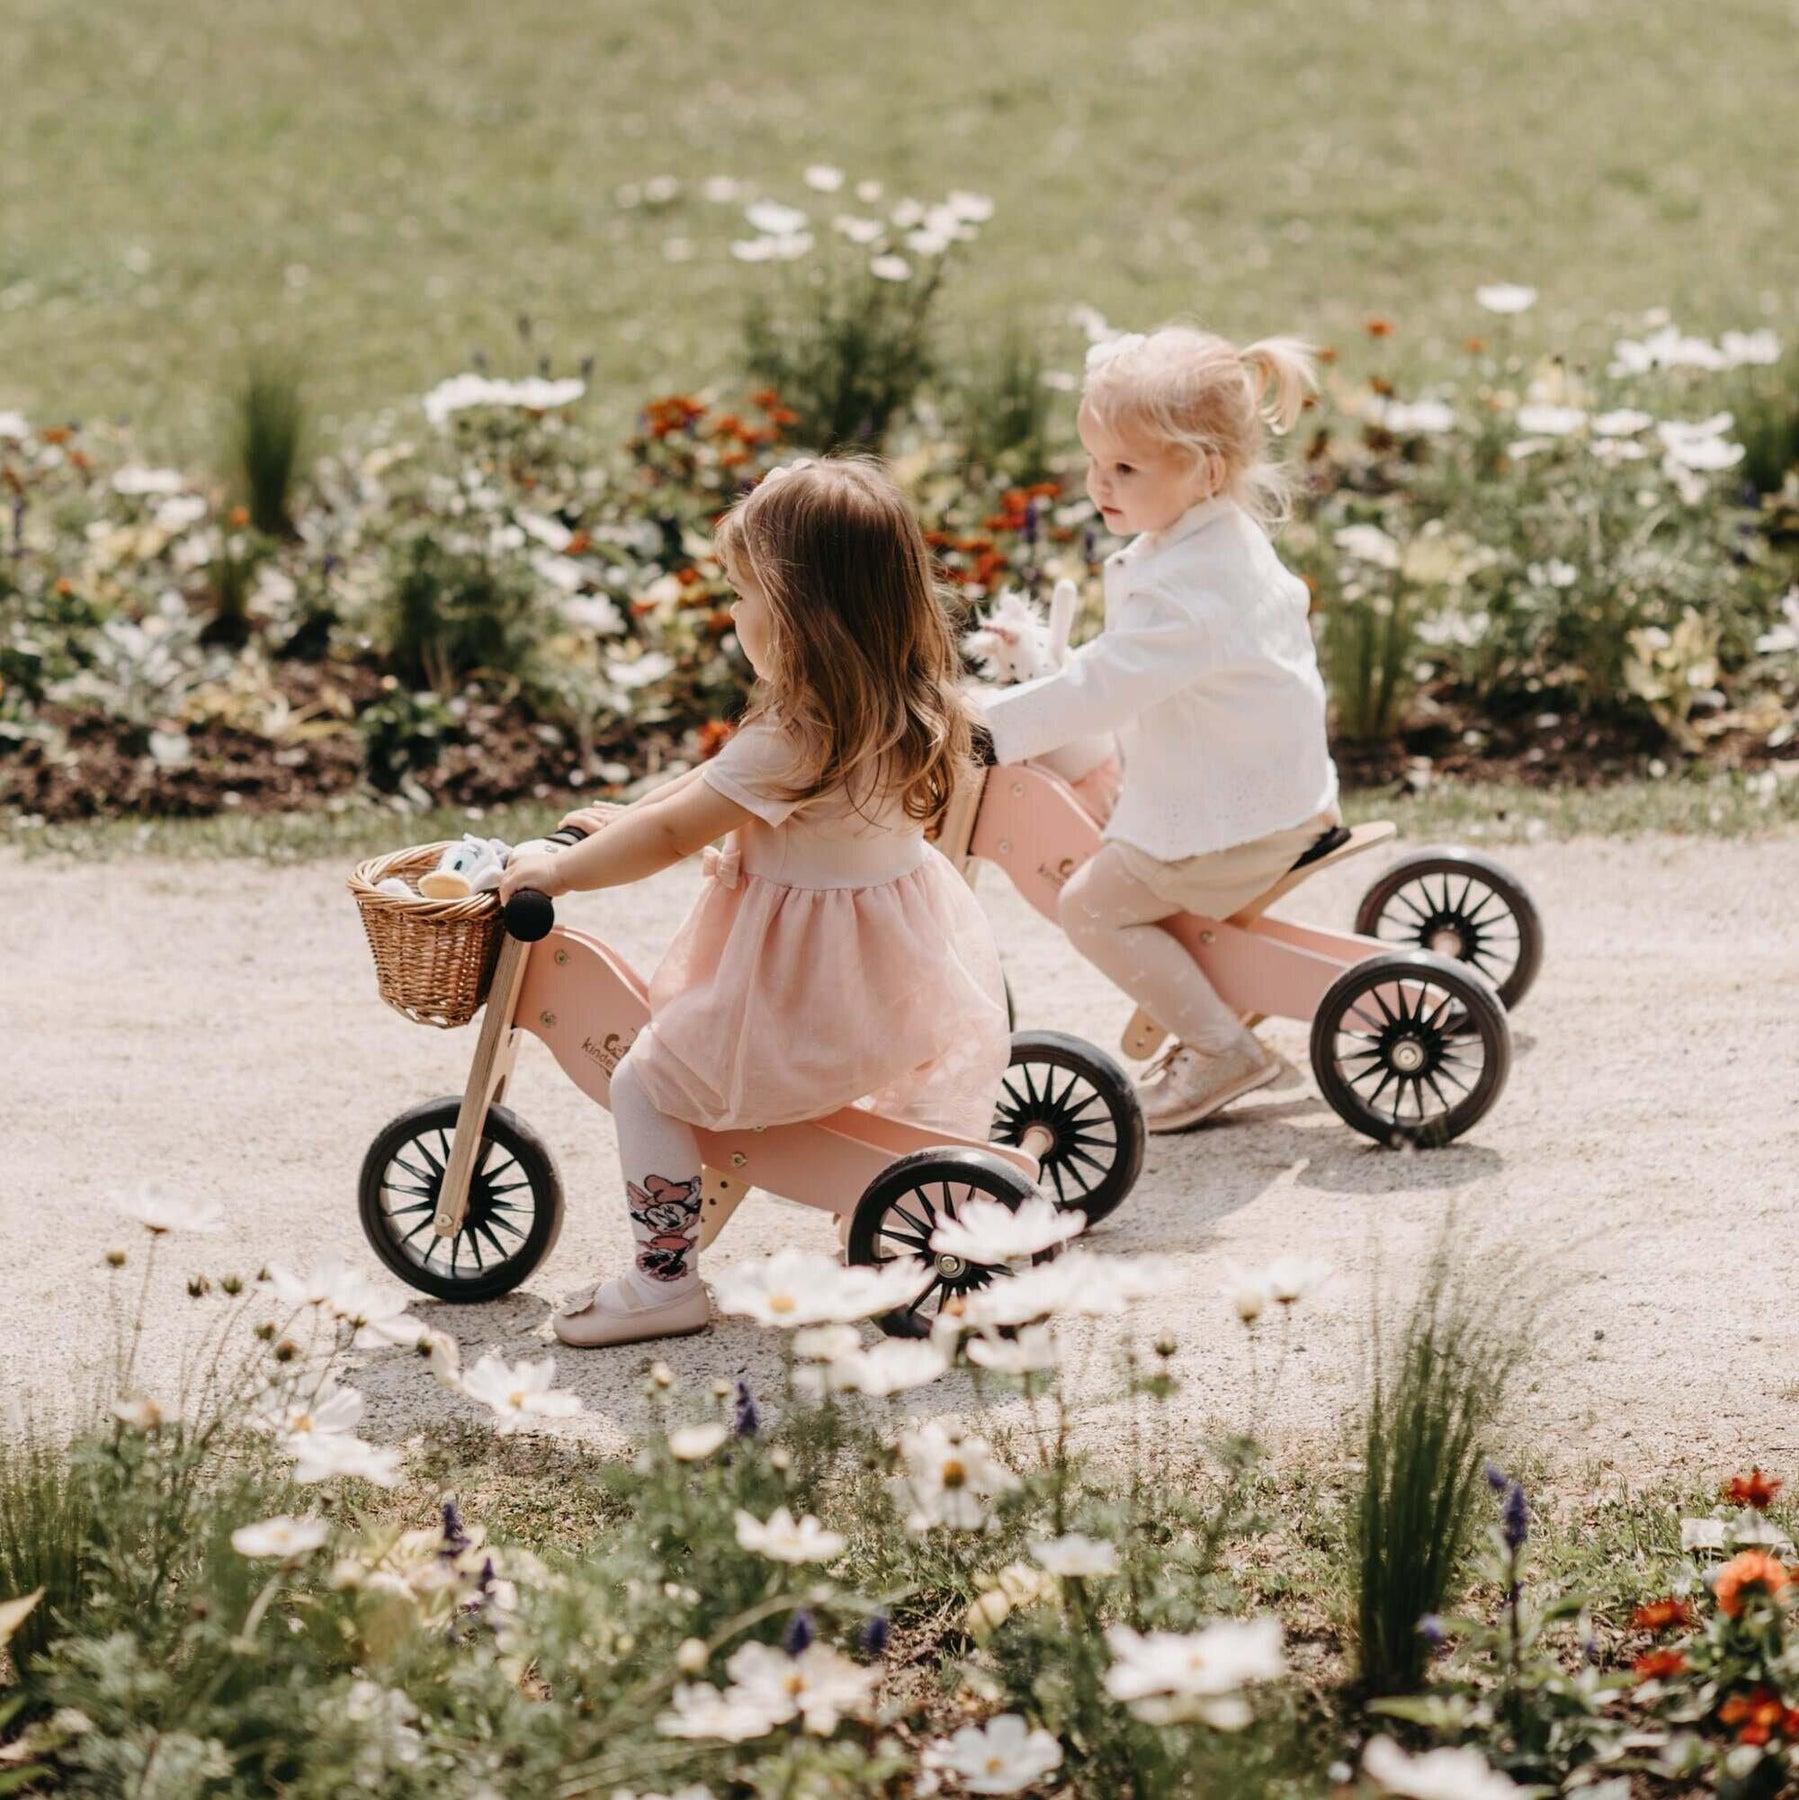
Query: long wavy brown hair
x=864, y=671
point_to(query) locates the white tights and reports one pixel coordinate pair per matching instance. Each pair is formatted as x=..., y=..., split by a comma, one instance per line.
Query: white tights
x=659, y=1158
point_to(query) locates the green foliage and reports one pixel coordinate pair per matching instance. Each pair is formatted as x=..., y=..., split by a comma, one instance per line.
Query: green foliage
x=402, y=733
x=1765, y=403
x=1004, y=409
x=1368, y=650
x=847, y=352
x=1436, y=1386
x=455, y=612
x=265, y=439
x=46, y=1534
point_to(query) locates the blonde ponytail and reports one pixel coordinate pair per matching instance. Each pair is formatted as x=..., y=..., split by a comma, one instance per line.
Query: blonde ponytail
x=1282, y=374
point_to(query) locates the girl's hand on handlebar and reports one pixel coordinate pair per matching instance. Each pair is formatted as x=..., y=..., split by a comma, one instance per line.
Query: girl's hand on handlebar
x=532, y=869
x=590, y=818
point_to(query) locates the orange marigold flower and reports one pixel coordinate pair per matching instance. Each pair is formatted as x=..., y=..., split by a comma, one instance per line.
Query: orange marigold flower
x=1327, y=355
x=578, y=543
x=1474, y=345
x=1754, y=1489
x=240, y=515
x=1755, y=1716
x=1379, y=328
x=1381, y=386
x=641, y=608
x=64, y=586
x=1662, y=1615
x=714, y=735
x=766, y=398
x=1746, y=1572
x=56, y=434
x=1659, y=1665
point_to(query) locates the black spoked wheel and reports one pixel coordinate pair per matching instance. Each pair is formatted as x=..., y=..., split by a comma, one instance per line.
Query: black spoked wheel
x=514, y=1208
x=895, y=1218
x=1459, y=904
x=1066, y=1088
x=1411, y=1049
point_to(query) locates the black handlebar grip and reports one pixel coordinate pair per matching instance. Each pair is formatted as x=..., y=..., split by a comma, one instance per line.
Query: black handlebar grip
x=529, y=915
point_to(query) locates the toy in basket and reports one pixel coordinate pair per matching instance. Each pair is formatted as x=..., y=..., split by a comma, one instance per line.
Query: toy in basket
x=1410, y=1040
x=460, y=1198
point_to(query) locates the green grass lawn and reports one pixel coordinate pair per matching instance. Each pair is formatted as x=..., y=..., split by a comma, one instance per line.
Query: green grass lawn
x=385, y=184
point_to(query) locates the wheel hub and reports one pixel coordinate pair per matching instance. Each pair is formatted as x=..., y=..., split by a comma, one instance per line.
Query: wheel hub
x=1408, y=1054
x=1447, y=940
x=950, y=1268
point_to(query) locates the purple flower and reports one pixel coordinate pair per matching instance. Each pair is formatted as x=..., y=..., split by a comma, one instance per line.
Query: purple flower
x=456, y=1540
x=1515, y=1525
x=1497, y=1479
x=798, y=1633
x=749, y=1420
x=1430, y=1628
x=874, y=1634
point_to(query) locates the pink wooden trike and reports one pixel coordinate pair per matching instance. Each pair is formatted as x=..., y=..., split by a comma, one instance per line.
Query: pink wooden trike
x=460, y=1198
x=1410, y=1042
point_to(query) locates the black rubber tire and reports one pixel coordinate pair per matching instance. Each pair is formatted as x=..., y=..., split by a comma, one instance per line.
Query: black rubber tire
x=491, y=1218
x=1011, y=1006
x=1476, y=906
x=1453, y=1008
x=1098, y=1155
x=874, y=1239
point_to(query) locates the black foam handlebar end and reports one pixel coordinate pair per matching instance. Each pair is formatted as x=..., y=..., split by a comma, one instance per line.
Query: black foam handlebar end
x=529, y=915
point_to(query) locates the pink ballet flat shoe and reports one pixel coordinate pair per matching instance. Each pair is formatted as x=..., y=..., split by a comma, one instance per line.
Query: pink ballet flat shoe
x=613, y=1314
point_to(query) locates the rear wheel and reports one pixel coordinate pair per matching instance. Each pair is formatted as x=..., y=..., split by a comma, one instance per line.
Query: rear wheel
x=1411, y=1049
x=1462, y=905
x=902, y=1207
x=514, y=1206
x=1080, y=1097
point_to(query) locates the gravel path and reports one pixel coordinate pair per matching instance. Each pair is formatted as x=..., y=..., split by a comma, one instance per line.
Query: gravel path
x=216, y=1026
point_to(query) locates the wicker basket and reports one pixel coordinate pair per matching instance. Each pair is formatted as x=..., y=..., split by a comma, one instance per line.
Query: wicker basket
x=434, y=959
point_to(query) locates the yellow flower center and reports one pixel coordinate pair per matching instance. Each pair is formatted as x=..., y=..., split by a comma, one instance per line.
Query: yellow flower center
x=954, y=1474
x=782, y=1303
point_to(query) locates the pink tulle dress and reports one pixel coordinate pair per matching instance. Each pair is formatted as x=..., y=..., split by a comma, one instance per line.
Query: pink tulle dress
x=833, y=957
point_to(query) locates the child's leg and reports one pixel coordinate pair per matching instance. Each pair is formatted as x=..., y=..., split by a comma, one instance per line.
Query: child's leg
x=661, y=1295
x=1110, y=917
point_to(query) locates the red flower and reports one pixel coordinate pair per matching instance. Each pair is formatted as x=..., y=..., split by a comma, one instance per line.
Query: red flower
x=1662, y=1615
x=1474, y=345
x=1754, y=1489
x=1750, y=1570
x=1658, y=1665
x=577, y=544
x=1754, y=1716
x=714, y=735
x=1379, y=328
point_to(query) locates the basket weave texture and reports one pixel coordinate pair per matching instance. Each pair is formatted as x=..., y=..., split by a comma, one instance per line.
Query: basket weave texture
x=434, y=959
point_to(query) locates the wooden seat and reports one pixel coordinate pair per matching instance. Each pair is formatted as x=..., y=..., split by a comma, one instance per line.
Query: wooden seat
x=1143, y=1036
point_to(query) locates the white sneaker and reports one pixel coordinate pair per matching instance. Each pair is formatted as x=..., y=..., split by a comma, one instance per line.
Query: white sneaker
x=1188, y=1085
x=614, y=1314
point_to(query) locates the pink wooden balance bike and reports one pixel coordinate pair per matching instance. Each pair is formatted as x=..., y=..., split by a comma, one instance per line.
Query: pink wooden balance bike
x=461, y=1199
x=1410, y=1039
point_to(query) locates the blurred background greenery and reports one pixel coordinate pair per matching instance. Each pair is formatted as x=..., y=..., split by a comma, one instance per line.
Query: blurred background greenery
x=381, y=186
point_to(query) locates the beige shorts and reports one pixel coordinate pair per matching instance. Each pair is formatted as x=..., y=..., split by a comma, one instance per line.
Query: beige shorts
x=1217, y=884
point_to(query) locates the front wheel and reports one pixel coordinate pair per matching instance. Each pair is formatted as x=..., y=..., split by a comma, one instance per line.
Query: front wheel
x=1411, y=1049
x=1459, y=904
x=514, y=1204
x=902, y=1207
x=1084, y=1102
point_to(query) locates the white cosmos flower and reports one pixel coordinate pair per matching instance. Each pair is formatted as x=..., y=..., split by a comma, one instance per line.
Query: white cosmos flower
x=595, y=613
x=1785, y=636
x=1624, y=421
x=1368, y=544
x=1700, y=443
x=548, y=531
x=1451, y=1774
x=824, y=179
x=890, y=1367
x=283, y=1537
x=328, y=1455
x=907, y=213
x=519, y=1393
x=783, y=1539
x=1701, y=1534
x=694, y=1443
x=180, y=511
x=868, y=192
x=1075, y=1555
x=1415, y=418
x=377, y=1310
x=1166, y=1676
x=807, y=1287
x=651, y=667
x=890, y=268
x=1291, y=1278
x=976, y=209
x=1668, y=348
x=1004, y=1756
x=460, y=393
x=1618, y=450
x=1740, y=347
x=925, y=242
x=989, y=1231
x=820, y=1685
x=158, y=1211
x=721, y=190
x=136, y=481
x=950, y=1476
x=1505, y=297
x=1077, y=1284
x=140, y=1414
x=699, y=1711
x=1520, y=448
x=1550, y=421
x=826, y=1343
x=332, y=1409
x=1026, y=1352
x=773, y=219
x=14, y=427
x=857, y=230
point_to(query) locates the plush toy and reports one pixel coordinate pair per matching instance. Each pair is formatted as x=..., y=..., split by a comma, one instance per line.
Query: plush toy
x=1014, y=643
x=473, y=866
